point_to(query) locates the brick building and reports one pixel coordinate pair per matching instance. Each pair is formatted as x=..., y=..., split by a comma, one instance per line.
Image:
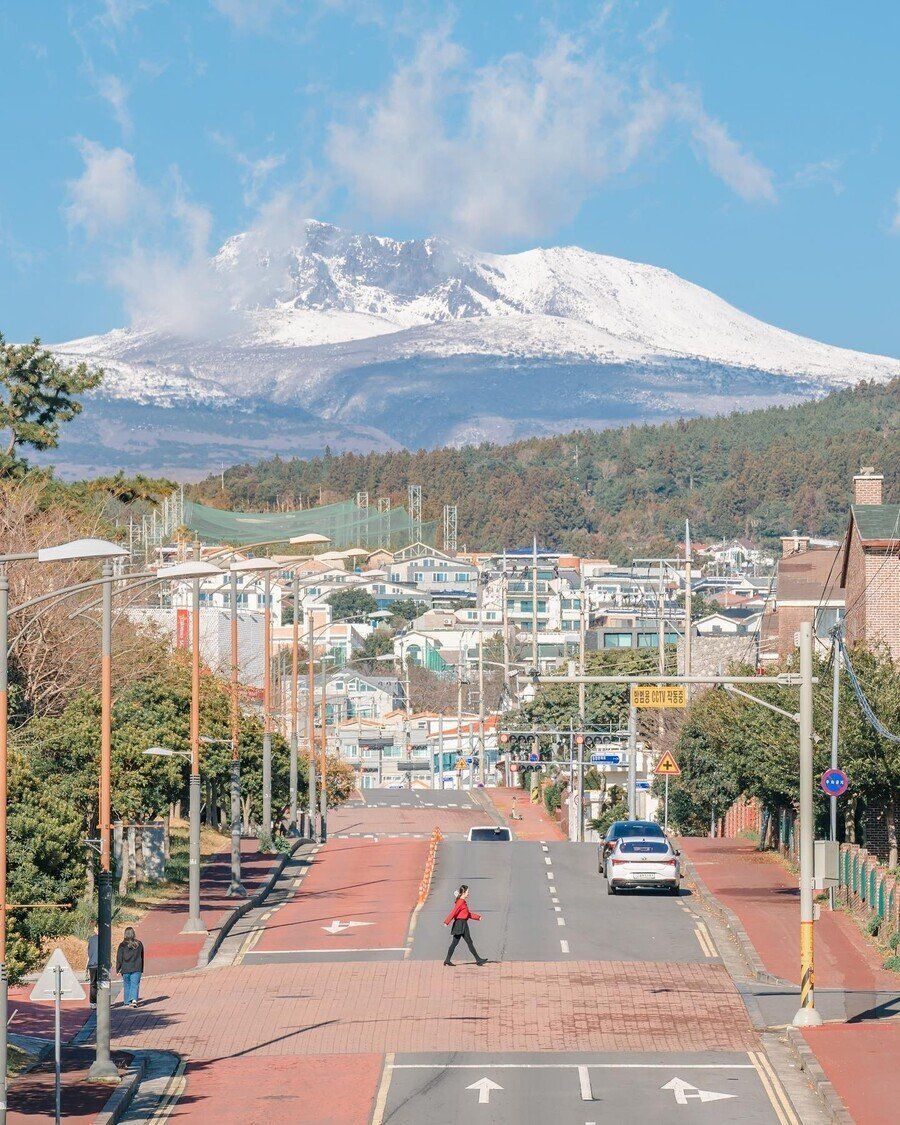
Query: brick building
x=807, y=588
x=870, y=566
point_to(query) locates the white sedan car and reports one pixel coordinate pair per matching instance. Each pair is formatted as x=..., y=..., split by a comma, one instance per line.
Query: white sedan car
x=643, y=862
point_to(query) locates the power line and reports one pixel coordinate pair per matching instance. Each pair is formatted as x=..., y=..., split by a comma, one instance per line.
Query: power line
x=874, y=721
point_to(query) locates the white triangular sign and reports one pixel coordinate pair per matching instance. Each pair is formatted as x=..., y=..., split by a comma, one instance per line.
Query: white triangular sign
x=69, y=984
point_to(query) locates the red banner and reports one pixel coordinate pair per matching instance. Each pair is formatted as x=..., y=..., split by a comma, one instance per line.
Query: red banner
x=182, y=628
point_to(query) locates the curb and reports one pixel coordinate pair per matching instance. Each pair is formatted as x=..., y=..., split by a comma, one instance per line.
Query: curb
x=809, y=1064
x=214, y=941
x=732, y=923
x=121, y=1097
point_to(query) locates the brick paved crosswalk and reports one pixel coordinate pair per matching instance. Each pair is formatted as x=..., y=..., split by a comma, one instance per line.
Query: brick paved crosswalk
x=338, y=1008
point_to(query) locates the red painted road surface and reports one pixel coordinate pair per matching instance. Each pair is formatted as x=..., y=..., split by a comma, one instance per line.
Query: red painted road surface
x=861, y=1061
x=535, y=824
x=314, y=1090
x=376, y=883
x=764, y=895
x=31, y=1097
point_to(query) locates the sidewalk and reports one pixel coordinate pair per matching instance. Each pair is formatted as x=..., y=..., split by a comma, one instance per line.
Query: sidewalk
x=536, y=823
x=859, y=1058
x=31, y=1097
x=166, y=949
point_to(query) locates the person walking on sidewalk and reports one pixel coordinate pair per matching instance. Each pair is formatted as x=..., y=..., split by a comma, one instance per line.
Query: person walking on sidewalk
x=92, y=967
x=458, y=920
x=130, y=963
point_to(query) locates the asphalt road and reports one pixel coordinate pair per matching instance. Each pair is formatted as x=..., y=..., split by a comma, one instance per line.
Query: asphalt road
x=546, y=902
x=415, y=798
x=586, y=1089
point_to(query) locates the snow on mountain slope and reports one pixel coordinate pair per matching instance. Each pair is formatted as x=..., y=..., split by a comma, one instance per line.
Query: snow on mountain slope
x=419, y=342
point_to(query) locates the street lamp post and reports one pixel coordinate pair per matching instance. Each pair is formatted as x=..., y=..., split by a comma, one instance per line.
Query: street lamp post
x=194, y=923
x=67, y=552
x=103, y=1066
x=295, y=703
x=311, y=724
x=236, y=887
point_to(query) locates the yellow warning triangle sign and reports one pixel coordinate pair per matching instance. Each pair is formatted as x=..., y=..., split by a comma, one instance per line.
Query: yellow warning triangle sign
x=667, y=766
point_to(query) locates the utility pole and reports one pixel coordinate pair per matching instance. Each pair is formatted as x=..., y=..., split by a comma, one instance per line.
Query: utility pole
x=807, y=1016
x=504, y=621
x=482, y=772
x=632, y=762
x=236, y=888
x=295, y=703
x=836, y=653
x=582, y=705
x=311, y=724
x=688, y=593
x=441, y=747
x=266, y=834
x=323, y=782
x=534, y=608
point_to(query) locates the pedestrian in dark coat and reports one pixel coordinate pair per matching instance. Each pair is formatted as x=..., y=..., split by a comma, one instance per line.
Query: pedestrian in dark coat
x=458, y=920
x=92, y=944
x=130, y=963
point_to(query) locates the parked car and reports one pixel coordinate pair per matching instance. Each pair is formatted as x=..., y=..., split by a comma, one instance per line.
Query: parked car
x=619, y=830
x=643, y=862
x=489, y=833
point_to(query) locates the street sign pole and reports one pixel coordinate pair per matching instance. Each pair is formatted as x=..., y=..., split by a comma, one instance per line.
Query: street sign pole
x=632, y=763
x=806, y=1016
x=666, y=808
x=57, y=1067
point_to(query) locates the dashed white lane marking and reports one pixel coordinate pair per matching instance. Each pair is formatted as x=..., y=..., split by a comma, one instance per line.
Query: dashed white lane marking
x=558, y=909
x=544, y=848
x=560, y=921
x=584, y=1079
x=552, y=890
x=548, y=860
x=564, y=946
x=554, y=899
x=549, y=874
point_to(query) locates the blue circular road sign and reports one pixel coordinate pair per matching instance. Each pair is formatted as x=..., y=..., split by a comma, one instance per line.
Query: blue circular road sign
x=834, y=783
x=532, y=757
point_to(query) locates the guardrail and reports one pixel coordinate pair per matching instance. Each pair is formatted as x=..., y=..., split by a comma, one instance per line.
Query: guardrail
x=425, y=885
x=869, y=889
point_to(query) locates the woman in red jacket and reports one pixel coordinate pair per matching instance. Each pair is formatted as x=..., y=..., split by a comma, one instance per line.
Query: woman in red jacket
x=458, y=920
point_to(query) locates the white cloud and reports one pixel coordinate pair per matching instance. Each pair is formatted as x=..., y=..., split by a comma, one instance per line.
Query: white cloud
x=114, y=92
x=895, y=222
x=117, y=14
x=108, y=193
x=737, y=168
x=252, y=15
x=820, y=172
x=254, y=171
x=512, y=150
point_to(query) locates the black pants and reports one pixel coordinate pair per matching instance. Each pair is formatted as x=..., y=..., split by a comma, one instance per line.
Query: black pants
x=456, y=939
x=92, y=976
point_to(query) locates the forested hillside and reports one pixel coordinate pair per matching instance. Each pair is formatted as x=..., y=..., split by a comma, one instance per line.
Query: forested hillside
x=613, y=492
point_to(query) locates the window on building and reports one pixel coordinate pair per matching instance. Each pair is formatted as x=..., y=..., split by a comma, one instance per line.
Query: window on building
x=827, y=617
x=617, y=640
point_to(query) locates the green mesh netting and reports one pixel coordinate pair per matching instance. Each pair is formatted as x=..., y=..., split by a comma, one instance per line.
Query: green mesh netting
x=345, y=524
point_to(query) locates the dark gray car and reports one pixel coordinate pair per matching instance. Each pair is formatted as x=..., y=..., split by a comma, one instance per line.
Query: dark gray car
x=622, y=829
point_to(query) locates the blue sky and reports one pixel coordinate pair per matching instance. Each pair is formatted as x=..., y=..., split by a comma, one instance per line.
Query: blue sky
x=751, y=148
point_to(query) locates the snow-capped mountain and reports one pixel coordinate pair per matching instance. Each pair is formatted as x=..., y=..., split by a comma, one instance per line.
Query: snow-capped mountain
x=363, y=342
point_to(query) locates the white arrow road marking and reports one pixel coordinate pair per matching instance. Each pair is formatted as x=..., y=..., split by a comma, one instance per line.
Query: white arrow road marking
x=337, y=927
x=485, y=1088
x=684, y=1090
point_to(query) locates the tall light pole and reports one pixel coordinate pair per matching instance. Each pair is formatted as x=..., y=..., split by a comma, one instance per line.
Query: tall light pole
x=482, y=771
x=68, y=552
x=806, y=1016
x=311, y=723
x=295, y=702
x=265, y=566
x=236, y=887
